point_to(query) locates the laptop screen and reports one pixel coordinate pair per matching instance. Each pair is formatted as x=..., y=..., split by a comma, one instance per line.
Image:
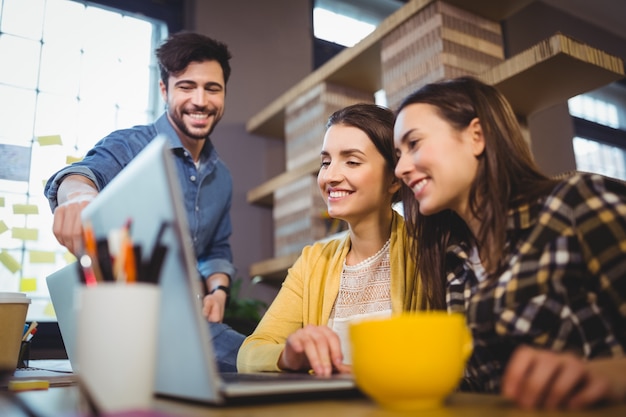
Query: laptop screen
x=147, y=194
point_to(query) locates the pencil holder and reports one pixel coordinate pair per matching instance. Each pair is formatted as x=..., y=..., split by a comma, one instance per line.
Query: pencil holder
x=116, y=345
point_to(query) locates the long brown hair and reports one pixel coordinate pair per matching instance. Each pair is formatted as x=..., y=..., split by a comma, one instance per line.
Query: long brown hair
x=507, y=176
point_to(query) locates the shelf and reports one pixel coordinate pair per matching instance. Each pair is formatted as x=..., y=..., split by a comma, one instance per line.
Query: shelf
x=263, y=194
x=489, y=9
x=274, y=269
x=551, y=72
x=359, y=66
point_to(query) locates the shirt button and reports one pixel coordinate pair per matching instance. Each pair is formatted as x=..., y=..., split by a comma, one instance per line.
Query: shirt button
x=193, y=178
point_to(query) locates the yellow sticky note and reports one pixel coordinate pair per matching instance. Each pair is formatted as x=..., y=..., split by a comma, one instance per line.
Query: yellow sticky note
x=49, y=140
x=71, y=159
x=9, y=262
x=69, y=258
x=25, y=209
x=41, y=257
x=1, y=201
x=48, y=310
x=29, y=385
x=25, y=233
x=3, y=227
x=28, y=285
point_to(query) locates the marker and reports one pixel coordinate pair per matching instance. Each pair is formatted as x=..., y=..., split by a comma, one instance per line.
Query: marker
x=31, y=329
x=86, y=266
x=91, y=249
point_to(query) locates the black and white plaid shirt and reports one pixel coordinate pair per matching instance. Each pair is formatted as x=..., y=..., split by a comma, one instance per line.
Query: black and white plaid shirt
x=565, y=286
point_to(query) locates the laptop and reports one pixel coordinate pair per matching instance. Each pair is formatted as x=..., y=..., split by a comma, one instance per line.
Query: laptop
x=147, y=192
x=61, y=286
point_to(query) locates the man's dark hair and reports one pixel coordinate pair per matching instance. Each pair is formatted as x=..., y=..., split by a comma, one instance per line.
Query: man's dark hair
x=182, y=48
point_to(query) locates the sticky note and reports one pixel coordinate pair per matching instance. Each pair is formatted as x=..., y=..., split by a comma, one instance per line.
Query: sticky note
x=48, y=310
x=41, y=257
x=9, y=262
x=3, y=227
x=25, y=209
x=1, y=201
x=28, y=284
x=25, y=233
x=29, y=385
x=69, y=258
x=71, y=159
x=49, y=140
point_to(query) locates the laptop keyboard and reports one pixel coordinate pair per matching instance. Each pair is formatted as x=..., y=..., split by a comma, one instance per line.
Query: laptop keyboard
x=274, y=376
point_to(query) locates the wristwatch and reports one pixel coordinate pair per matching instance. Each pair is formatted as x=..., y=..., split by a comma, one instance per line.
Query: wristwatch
x=225, y=289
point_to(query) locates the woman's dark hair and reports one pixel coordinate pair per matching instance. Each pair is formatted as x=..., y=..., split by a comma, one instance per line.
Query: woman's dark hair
x=507, y=176
x=377, y=123
x=182, y=48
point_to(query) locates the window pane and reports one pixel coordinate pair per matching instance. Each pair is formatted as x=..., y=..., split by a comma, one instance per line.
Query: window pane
x=132, y=36
x=63, y=27
x=56, y=76
x=20, y=61
x=57, y=115
x=592, y=156
x=16, y=126
x=340, y=29
x=23, y=18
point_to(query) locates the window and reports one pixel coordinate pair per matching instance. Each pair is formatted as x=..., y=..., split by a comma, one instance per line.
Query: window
x=338, y=24
x=71, y=73
x=338, y=28
x=600, y=126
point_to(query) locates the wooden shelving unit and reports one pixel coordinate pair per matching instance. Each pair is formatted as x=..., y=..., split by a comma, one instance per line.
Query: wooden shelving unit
x=550, y=72
x=263, y=195
x=556, y=69
x=359, y=66
x=273, y=269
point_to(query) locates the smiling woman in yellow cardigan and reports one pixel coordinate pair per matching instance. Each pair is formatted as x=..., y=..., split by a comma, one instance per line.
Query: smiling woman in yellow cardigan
x=366, y=273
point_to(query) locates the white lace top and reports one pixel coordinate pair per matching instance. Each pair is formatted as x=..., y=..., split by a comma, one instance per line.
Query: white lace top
x=364, y=292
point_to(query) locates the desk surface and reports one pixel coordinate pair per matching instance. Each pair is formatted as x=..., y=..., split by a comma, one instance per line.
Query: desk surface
x=63, y=401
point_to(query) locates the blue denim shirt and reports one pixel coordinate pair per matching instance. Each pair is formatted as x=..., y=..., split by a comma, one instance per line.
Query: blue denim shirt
x=207, y=190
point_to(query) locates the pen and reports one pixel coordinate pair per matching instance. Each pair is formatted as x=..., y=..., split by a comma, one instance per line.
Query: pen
x=31, y=329
x=157, y=257
x=104, y=259
x=91, y=250
x=86, y=269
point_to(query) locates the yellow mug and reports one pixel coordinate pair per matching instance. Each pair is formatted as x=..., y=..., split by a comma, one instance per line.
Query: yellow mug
x=412, y=361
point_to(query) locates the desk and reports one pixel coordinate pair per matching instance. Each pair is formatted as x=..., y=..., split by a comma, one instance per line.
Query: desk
x=63, y=401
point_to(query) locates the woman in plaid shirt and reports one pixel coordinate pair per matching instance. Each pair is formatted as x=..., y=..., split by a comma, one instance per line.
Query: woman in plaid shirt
x=537, y=265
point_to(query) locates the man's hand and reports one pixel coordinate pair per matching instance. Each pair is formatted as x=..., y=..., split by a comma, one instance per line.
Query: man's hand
x=536, y=378
x=75, y=193
x=313, y=347
x=214, y=305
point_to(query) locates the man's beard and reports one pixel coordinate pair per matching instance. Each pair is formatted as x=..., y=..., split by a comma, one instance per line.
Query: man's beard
x=178, y=121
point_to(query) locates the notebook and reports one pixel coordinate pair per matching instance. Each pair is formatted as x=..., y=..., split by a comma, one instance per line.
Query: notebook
x=147, y=192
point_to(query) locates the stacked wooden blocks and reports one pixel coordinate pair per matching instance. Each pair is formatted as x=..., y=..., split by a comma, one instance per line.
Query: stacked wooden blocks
x=440, y=41
x=305, y=120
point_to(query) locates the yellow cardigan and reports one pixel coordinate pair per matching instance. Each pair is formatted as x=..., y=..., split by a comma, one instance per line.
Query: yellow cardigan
x=308, y=293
